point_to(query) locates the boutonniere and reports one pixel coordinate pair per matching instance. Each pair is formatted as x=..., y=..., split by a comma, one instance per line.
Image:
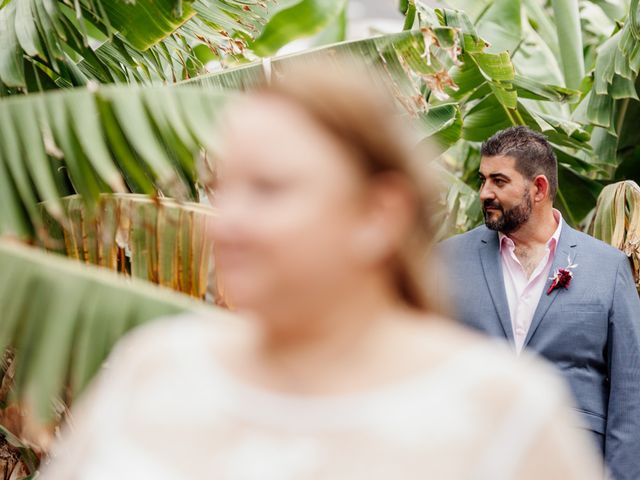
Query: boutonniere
x=562, y=277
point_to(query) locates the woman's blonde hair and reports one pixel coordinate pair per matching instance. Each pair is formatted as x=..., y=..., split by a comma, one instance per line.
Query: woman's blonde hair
x=358, y=109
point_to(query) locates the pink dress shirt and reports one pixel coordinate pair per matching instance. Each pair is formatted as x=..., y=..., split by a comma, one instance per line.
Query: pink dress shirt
x=523, y=294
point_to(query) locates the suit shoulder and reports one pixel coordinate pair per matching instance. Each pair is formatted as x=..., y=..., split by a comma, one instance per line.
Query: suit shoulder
x=600, y=248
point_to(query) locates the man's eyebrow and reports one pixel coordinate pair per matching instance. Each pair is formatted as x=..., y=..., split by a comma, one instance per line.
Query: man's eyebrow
x=498, y=175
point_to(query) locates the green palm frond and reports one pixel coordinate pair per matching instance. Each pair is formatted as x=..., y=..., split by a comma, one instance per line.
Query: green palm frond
x=111, y=139
x=59, y=43
x=482, y=92
x=617, y=68
x=62, y=318
x=144, y=140
x=301, y=19
x=436, y=74
x=395, y=60
x=480, y=84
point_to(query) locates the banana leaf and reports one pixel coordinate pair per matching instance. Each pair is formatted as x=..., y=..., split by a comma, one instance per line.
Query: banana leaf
x=57, y=44
x=430, y=77
x=398, y=58
x=616, y=71
x=302, y=19
x=567, y=19
x=159, y=240
x=62, y=318
x=116, y=139
x=91, y=141
x=616, y=220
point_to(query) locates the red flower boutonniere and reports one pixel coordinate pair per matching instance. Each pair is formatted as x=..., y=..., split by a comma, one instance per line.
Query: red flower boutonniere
x=562, y=277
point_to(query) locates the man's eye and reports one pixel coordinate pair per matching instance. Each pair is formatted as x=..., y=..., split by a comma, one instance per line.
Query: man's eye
x=499, y=182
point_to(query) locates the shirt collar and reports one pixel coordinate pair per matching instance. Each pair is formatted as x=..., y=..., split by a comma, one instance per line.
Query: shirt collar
x=552, y=243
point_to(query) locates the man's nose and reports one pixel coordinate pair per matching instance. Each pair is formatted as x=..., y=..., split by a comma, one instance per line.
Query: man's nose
x=486, y=193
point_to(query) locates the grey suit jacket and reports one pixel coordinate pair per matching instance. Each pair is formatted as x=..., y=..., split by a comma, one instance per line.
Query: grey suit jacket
x=590, y=331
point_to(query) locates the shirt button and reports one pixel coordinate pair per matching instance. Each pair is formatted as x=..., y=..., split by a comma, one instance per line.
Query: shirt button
x=520, y=331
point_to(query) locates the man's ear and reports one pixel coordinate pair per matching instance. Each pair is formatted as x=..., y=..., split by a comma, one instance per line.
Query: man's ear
x=542, y=190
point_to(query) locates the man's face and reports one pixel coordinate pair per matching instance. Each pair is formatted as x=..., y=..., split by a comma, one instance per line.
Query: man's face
x=505, y=194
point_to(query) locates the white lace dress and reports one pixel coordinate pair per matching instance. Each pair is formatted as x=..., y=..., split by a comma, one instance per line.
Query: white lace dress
x=164, y=410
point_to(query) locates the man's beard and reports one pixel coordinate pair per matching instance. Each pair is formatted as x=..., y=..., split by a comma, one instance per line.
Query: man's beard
x=510, y=220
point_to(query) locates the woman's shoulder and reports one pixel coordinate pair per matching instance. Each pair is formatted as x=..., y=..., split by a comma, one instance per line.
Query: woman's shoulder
x=176, y=338
x=492, y=367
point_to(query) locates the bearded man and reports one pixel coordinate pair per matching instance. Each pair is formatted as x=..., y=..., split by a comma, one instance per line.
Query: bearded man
x=527, y=277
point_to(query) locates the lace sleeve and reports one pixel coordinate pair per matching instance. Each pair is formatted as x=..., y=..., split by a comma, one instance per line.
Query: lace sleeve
x=539, y=439
x=96, y=426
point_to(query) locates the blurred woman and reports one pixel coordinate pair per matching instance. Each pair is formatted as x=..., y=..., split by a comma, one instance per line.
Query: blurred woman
x=339, y=365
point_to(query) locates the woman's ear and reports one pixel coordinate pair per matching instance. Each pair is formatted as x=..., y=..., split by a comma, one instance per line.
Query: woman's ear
x=369, y=243
x=389, y=215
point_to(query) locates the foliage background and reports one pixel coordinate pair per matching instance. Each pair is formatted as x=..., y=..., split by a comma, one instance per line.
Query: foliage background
x=103, y=114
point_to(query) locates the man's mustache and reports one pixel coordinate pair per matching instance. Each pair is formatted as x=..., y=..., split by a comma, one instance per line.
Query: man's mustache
x=491, y=204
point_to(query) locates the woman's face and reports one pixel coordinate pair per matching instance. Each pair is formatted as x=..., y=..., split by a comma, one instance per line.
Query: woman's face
x=290, y=202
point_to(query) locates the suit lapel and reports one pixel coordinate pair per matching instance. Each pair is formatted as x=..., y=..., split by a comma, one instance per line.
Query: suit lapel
x=492, y=267
x=566, y=249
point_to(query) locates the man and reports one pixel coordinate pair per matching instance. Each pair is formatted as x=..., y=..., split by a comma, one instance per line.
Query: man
x=530, y=278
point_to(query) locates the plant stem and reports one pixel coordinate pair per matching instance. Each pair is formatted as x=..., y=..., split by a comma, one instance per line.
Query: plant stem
x=621, y=114
x=482, y=13
x=563, y=201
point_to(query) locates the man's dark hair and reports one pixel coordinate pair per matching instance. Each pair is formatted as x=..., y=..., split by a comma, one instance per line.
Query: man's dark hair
x=531, y=150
